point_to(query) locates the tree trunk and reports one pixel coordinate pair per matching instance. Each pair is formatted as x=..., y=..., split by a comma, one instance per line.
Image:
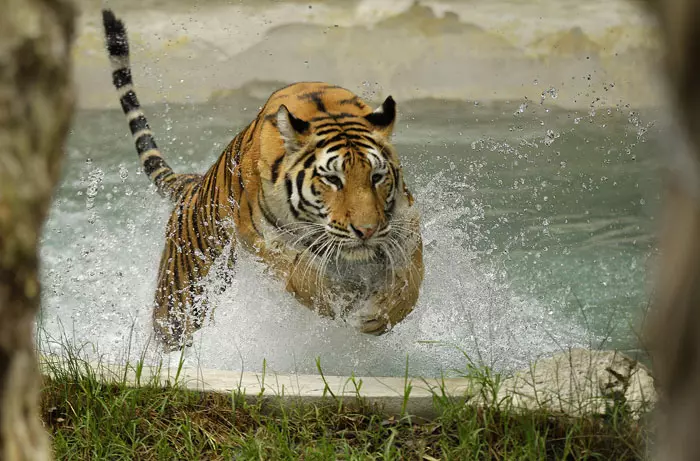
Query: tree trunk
x=36, y=105
x=674, y=332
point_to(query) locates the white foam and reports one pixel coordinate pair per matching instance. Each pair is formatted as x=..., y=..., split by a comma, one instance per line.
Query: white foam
x=99, y=279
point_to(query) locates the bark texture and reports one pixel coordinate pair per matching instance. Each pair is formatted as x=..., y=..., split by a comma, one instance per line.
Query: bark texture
x=674, y=332
x=36, y=105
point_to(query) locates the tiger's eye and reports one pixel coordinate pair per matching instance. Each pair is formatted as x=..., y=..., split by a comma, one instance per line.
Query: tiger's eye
x=335, y=181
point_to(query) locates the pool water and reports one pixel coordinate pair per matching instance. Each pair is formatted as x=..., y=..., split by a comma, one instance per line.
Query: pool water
x=538, y=225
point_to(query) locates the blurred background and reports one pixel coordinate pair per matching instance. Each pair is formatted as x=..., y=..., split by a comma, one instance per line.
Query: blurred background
x=593, y=52
x=529, y=134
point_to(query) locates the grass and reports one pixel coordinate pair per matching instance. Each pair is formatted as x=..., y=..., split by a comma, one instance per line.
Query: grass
x=91, y=418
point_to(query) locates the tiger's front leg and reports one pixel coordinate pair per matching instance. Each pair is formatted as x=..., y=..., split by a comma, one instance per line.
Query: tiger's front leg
x=396, y=299
x=300, y=272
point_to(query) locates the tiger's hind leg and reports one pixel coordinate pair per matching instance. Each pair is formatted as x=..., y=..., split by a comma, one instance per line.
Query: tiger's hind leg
x=181, y=303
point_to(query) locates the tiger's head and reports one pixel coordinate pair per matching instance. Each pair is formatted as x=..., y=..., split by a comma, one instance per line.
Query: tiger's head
x=338, y=187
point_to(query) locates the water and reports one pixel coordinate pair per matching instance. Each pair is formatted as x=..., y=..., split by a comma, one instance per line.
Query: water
x=537, y=222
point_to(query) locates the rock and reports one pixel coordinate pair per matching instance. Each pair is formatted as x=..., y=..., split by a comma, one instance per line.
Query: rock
x=579, y=382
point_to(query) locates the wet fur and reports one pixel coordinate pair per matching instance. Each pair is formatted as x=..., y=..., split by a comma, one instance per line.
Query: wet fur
x=349, y=243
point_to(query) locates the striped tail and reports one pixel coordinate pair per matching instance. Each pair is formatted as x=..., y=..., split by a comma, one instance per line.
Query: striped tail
x=155, y=166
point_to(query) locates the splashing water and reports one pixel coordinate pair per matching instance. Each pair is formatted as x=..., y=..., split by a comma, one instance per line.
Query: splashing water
x=512, y=228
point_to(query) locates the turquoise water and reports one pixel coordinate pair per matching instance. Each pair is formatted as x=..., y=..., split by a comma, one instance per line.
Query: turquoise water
x=537, y=221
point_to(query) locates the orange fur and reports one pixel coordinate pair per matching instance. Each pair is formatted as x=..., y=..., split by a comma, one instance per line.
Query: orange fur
x=312, y=186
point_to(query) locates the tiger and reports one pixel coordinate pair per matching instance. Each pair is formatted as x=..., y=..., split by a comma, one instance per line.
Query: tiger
x=313, y=188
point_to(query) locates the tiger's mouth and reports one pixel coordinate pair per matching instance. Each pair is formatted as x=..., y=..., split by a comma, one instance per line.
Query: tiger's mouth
x=347, y=250
x=360, y=252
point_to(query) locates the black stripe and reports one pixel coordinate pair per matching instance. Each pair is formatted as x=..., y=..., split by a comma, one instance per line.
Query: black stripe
x=267, y=214
x=355, y=137
x=337, y=234
x=324, y=142
x=152, y=164
x=145, y=142
x=139, y=123
x=300, y=182
x=302, y=156
x=288, y=185
x=302, y=199
x=250, y=215
x=218, y=186
x=330, y=160
x=228, y=172
x=179, y=242
x=327, y=131
x=249, y=132
x=353, y=124
x=319, y=103
x=354, y=130
x=184, y=256
x=275, y=169
x=394, y=173
x=341, y=142
x=240, y=180
x=307, y=203
x=385, y=154
x=309, y=161
x=129, y=101
x=121, y=77
x=236, y=148
x=315, y=97
x=207, y=191
x=335, y=148
x=200, y=241
x=117, y=43
x=362, y=144
x=162, y=176
x=321, y=126
x=390, y=209
x=337, y=116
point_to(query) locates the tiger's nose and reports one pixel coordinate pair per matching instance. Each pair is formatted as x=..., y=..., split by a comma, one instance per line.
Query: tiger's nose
x=364, y=232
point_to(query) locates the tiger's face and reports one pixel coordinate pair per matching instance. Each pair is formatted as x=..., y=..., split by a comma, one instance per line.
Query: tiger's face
x=356, y=195
x=343, y=186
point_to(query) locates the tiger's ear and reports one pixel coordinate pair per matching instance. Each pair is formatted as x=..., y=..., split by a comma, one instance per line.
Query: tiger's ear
x=291, y=128
x=383, y=117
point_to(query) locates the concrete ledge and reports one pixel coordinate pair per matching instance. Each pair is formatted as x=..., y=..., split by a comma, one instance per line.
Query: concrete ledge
x=387, y=393
x=576, y=382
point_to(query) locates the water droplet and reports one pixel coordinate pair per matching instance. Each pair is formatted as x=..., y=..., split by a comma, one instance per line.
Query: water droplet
x=123, y=173
x=549, y=137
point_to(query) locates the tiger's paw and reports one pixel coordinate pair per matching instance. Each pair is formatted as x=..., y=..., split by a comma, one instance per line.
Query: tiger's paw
x=375, y=325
